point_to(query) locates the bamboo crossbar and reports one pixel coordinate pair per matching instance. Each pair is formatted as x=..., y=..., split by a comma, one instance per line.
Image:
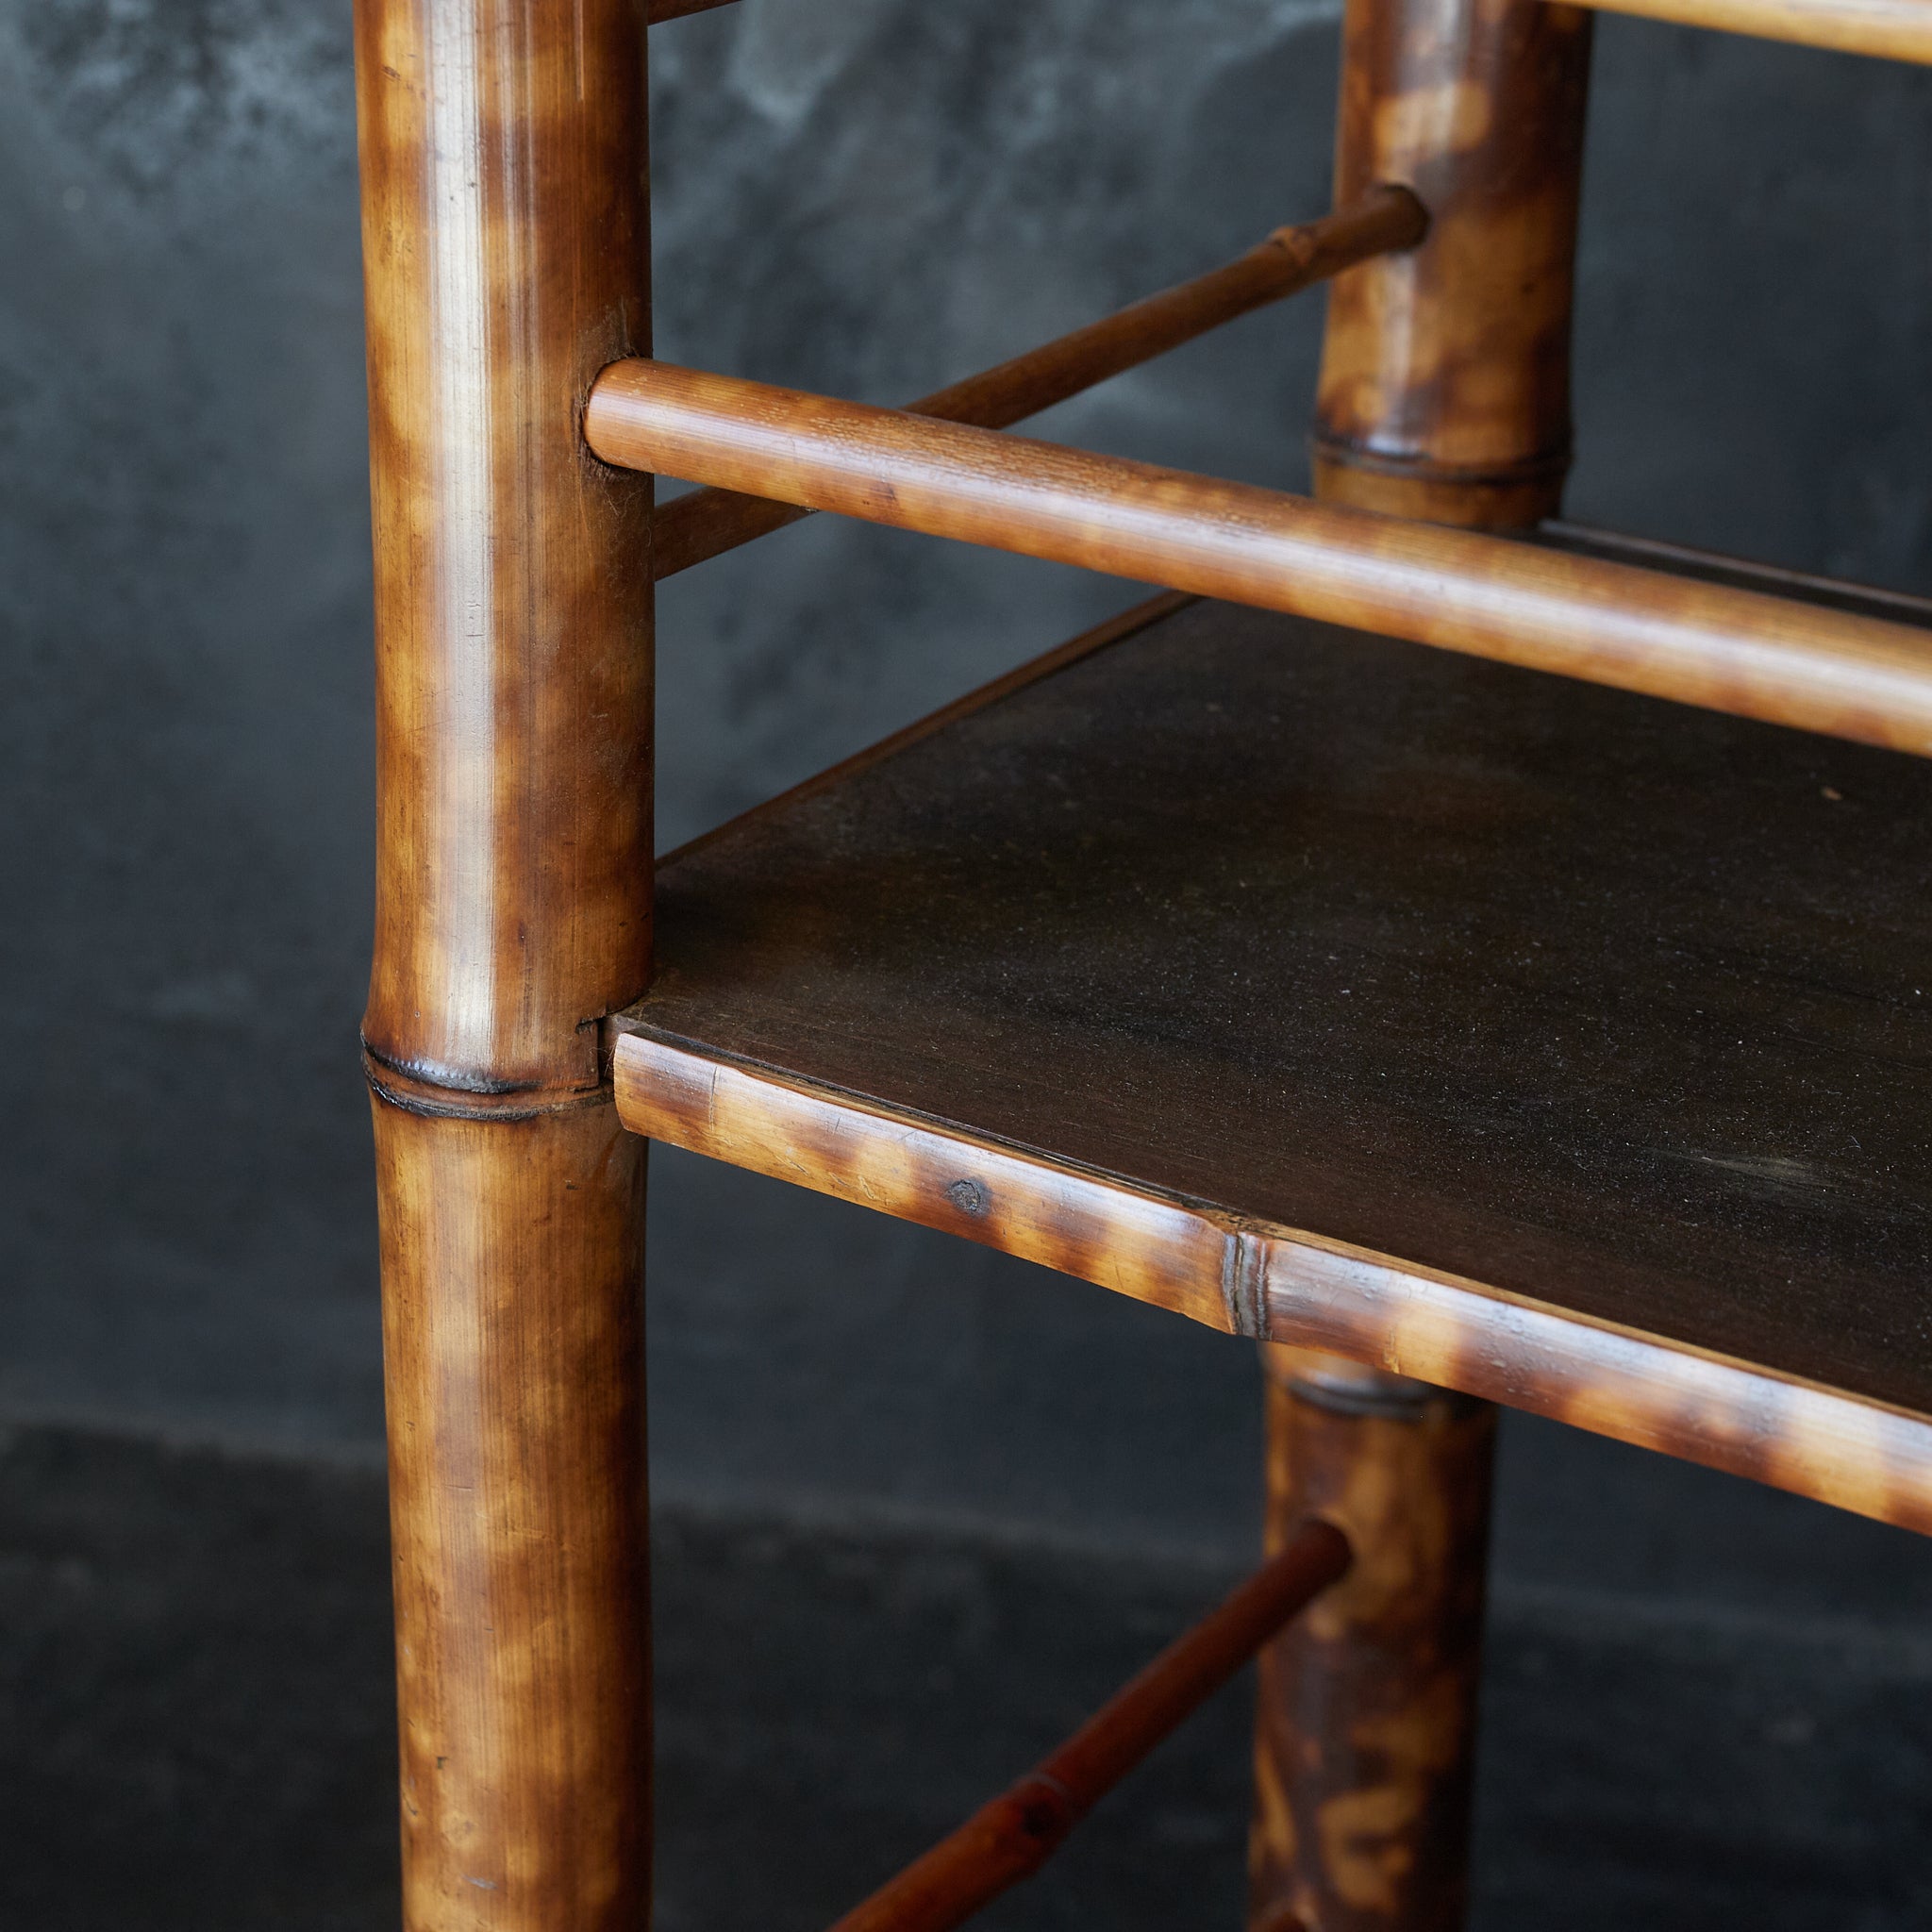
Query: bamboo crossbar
x=1012, y=1837
x=1893, y=30
x=692, y=529
x=1724, y=649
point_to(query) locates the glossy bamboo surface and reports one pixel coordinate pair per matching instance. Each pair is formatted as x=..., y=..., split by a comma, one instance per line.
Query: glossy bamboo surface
x=1710, y=645
x=706, y=522
x=1895, y=29
x=513, y=1354
x=1366, y=1709
x=1521, y=1036
x=1013, y=1836
x=506, y=251
x=1445, y=371
x=506, y=248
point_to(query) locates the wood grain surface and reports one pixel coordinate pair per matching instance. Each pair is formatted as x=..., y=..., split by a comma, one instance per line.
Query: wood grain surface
x=705, y=522
x=1446, y=371
x=1856, y=676
x=1532, y=1040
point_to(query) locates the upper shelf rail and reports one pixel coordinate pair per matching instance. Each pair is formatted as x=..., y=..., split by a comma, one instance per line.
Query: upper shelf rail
x=1698, y=644
x=661, y=10
x=692, y=529
x=1894, y=29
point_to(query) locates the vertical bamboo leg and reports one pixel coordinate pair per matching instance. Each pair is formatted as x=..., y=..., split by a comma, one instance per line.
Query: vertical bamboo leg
x=505, y=257
x=1445, y=370
x=511, y=1333
x=1444, y=396
x=1367, y=1703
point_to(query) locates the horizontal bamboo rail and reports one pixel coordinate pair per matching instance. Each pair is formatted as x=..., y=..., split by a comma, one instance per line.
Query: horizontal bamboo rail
x=1894, y=29
x=692, y=529
x=1012, y=1837
x=1723, y=649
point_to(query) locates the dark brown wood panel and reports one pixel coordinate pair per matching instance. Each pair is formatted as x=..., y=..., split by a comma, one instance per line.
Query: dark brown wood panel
x=1551, y=1043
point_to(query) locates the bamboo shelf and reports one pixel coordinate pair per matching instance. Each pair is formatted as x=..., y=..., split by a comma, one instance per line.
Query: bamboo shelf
x=1311, y=963
x=1548, y=1042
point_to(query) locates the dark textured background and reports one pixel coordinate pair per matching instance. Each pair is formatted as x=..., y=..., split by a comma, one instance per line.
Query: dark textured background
x=869, y=197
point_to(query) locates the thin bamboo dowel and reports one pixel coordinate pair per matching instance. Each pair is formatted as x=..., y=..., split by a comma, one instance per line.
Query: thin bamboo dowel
x=1723, y=649
x=1893, y=30
x=662, y=10
x=692, y=529
x=1012, y=1837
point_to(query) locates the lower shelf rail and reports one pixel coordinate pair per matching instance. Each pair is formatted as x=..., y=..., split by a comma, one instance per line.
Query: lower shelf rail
x=1010, y=1838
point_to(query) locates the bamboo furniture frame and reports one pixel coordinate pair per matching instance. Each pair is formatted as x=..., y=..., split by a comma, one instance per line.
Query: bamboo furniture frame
x=1456, y=1191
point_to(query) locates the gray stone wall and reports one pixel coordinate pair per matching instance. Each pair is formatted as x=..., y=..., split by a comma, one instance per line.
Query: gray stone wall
x=869, y=197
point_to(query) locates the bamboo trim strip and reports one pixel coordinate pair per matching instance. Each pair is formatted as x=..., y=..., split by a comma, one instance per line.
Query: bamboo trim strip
x=1010, y=1838
x=1287, y=1284
x=692, y=529
x=1704, y=645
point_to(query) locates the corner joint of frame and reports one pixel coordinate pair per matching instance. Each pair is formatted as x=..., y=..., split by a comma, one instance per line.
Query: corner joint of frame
x=1244, y=1274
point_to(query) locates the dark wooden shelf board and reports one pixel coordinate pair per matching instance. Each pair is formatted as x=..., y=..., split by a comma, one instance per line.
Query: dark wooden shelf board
x=1564, y=1046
